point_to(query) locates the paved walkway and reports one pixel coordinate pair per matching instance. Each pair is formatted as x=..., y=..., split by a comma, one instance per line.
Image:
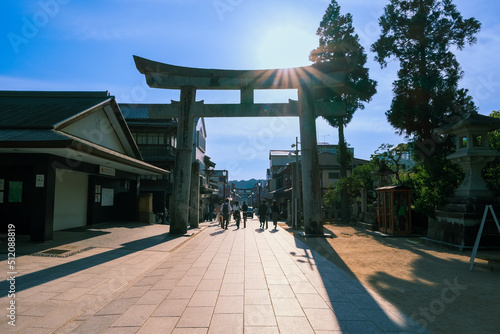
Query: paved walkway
x=216, y=281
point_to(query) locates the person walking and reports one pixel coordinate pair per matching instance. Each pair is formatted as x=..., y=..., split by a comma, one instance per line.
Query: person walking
x=237, y=214
x=226, y=212
x=275, y=213
x=218, y=214
x=244, y=208
x=263, y=212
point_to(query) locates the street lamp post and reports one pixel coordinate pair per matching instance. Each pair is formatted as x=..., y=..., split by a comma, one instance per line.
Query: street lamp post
x=295, y=186
x=258, y=184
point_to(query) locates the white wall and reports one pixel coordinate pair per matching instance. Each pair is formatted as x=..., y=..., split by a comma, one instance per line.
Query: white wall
x=70, y=205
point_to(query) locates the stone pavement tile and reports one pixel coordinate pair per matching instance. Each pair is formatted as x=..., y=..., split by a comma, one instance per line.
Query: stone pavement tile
x=233, y=278
x=226, y=324
x=190, y=331
x=71, y=294
x=148, y=281
x=257, y=297
x=196, y=317
x=311, y=300
x=37, y=298
x=118, y=306
x=153, y=297
x=159, y=272
x=165, y=284
x=196, y=271
x=121, y=330
x=253, y=265
x=281, y=291
x=95, y=324
x=323, y=320
x=294, y=325
x=218, y=266
x=259, y=315
x=256, y=284
x=331, y=294
x=178, y=274
x=276, y=279
x=229, y=304
x=231, y=289
x=57, y=318
x=182, y=292
x=22, y=323
x=136, y=315
x=214, y=274
x=188, y=280
x=261, y=330
x=209, y=284
x=254, y=273
x=387, y=321
x=135, y=291
x=348, y=311
x=41, y=310
x=171, y=308
x=287, y=307
x=157, y=325
x=235, y=269
x=302, y=287
x=365, y=327
x=363, y=301
x=204, y=298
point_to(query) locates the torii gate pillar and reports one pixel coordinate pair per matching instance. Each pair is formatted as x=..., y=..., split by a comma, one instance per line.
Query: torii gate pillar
x=179, y=207
x=311, y=200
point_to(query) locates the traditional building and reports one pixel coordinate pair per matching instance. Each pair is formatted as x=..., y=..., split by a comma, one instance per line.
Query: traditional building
x=285, y=164
x=67, y=159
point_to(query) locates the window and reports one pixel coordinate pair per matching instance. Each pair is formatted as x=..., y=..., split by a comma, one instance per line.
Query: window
x=333, y=176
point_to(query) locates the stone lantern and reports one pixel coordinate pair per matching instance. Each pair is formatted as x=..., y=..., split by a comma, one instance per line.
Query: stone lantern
x=473, y=152
x=457, y=222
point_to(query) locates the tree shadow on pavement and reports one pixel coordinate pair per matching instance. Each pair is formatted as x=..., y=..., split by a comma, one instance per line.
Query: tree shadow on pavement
x=356, y=309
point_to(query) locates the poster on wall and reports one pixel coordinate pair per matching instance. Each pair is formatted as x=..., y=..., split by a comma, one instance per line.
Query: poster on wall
x=15, y=191
x=107, y=197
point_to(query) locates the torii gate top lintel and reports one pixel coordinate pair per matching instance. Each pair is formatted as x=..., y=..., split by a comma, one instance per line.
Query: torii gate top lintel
x=161, y=75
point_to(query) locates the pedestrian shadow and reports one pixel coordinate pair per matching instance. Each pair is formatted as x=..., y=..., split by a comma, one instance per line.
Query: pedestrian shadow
x=356, y=310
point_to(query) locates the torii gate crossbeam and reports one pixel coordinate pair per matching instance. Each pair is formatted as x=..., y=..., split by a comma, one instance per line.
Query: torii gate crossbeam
x=311, y=82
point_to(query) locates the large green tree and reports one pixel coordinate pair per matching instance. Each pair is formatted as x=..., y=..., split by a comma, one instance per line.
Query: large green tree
x=339, y=44
x=420, y=35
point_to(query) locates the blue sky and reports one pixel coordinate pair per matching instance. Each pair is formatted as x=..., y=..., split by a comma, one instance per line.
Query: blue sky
x=88, y=45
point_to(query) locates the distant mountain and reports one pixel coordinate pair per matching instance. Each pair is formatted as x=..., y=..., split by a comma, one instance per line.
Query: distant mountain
x=246, y=184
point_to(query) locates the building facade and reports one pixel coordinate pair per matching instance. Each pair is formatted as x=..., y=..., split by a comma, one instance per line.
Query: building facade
x=67, y=159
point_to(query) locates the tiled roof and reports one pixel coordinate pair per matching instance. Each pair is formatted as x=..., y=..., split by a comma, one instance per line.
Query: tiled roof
x=43, y=110
x=134, y=111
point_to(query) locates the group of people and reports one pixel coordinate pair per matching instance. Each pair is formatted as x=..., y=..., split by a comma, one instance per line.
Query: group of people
x=266, y=211
x=224, y=211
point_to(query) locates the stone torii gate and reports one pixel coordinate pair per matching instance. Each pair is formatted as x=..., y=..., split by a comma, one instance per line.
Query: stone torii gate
x=311, y=82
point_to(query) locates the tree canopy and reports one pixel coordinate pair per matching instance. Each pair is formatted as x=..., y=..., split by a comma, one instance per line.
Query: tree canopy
x=338, y=43
x=420, y=35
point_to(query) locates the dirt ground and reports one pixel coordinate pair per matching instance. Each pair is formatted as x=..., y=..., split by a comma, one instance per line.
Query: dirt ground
x=431, y=283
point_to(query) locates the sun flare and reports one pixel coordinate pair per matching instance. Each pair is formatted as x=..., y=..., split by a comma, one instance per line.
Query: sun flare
x=284, y=47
